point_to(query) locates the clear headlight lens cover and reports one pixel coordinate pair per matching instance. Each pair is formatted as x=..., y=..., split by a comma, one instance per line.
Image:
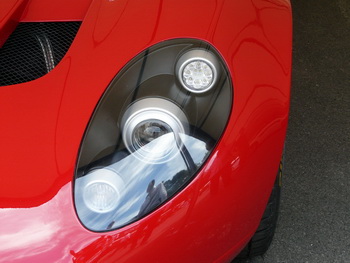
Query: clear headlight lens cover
x=151, y=132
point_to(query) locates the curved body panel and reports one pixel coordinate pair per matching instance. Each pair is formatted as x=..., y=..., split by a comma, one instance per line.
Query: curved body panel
x=43, y=122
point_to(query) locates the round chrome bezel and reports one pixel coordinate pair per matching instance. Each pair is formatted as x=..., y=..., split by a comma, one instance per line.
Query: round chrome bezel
x=151, y=109
x=193, y=56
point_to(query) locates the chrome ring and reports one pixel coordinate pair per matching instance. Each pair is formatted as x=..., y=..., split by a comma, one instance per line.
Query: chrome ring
x=155, y=109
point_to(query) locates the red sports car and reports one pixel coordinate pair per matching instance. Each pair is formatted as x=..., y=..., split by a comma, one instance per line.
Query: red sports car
x=141, y=130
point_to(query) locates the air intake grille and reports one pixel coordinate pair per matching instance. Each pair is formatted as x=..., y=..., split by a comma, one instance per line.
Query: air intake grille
x=34, y=49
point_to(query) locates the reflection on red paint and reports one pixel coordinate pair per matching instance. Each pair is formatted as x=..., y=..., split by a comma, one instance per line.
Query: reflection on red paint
x=43, y=122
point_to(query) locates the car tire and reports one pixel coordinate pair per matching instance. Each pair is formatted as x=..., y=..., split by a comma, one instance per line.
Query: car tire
x=263, y=236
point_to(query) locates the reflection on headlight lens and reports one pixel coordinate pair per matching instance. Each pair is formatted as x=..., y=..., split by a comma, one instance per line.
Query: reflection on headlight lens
x=151, y=132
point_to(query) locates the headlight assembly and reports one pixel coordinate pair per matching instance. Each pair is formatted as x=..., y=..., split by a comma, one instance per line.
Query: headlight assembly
x=151, y=132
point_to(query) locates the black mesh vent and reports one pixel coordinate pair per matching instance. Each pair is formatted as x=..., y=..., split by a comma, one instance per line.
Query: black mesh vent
x=34, y=49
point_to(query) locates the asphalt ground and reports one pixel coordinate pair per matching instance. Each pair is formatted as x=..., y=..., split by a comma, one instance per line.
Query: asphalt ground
x=314, y=222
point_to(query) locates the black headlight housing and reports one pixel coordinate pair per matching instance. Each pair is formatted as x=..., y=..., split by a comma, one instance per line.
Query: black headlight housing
x=151, y=132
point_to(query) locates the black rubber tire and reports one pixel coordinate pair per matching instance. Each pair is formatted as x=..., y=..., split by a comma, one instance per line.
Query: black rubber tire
x=263, y=236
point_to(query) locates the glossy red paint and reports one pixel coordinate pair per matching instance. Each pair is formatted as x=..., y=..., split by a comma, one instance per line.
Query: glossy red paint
x=55, y=10
x=14, y=11
x=43, y=121
x=10, y=13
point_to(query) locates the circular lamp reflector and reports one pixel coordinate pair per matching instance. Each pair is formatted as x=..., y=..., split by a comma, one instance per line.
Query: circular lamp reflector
x=150, y=127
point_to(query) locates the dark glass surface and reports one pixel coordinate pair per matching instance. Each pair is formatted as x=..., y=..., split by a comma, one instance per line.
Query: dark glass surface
x=146, y=183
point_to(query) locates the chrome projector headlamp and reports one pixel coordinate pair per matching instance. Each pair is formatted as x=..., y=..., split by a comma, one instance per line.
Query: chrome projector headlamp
x=151, y=132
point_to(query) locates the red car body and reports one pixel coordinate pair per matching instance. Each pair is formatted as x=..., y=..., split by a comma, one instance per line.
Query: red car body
x=42, y=124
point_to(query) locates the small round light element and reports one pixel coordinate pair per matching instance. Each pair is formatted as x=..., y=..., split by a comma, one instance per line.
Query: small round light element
x=150, y=127
x=101, y=197
x=197, y=75
x=197, y=70
x=101, y=190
